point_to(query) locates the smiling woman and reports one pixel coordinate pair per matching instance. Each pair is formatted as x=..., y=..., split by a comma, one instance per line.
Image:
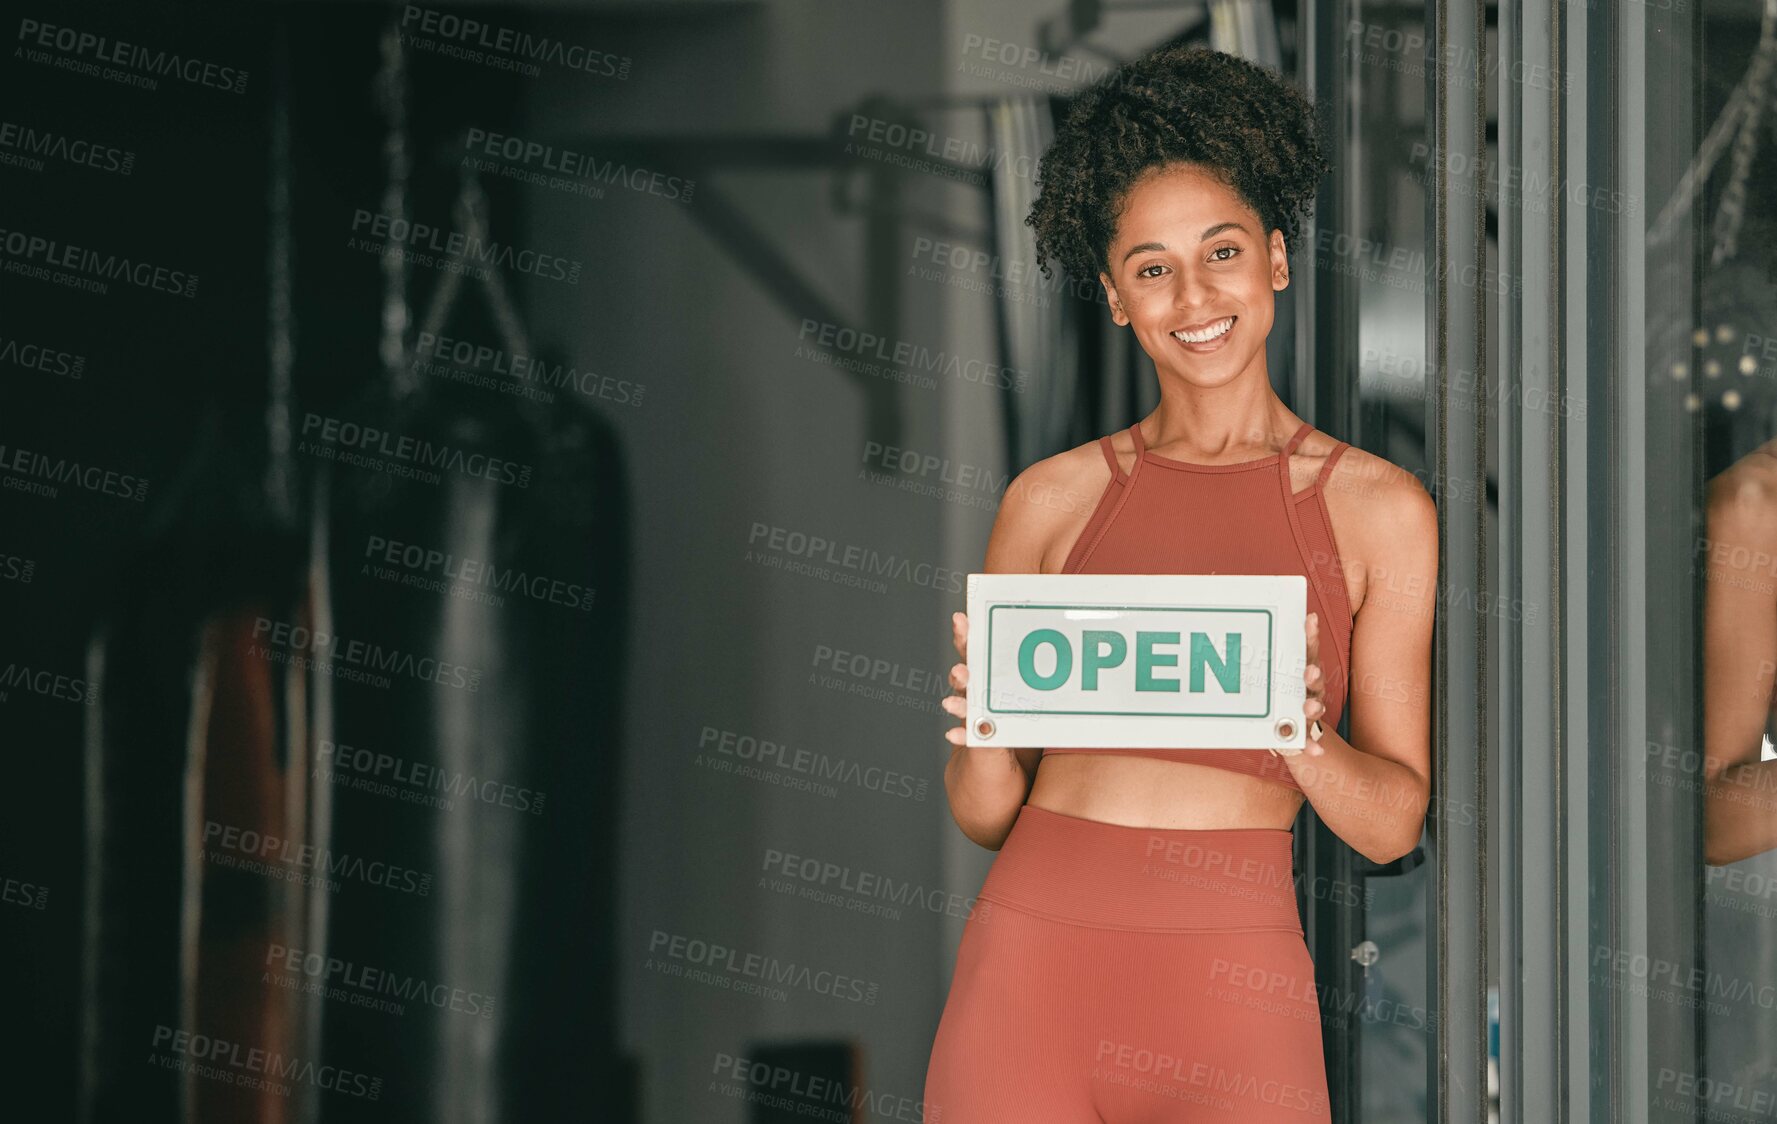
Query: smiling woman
x=1180, y=183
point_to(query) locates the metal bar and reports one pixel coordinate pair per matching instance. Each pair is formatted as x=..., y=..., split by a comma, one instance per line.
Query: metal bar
x=1634, y=875
x=1672, y=714
x=1578, y=906
x=1326, y=305
x=1327, y=302
x=1534, y=990
x=1456, y=330
x=1598, y=557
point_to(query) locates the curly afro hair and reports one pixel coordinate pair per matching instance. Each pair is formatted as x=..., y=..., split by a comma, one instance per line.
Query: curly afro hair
x=1239, y=121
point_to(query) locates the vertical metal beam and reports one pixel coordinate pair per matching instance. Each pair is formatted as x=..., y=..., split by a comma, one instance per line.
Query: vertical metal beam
x=1673, y=853
x=1599, y=858
x=1456, y=339
x=1326, y=390
x=1586, y=575
x=1535, y=988
x=1326, y=393
x=1632, y=872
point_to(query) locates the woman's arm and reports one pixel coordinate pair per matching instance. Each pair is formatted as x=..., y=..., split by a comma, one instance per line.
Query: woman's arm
x=987, y=785
x=1739, y=650
x=1372, y=791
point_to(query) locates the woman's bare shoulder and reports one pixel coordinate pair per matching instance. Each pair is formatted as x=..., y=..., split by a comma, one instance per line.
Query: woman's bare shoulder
x=1378, y=507
x=1046, y=506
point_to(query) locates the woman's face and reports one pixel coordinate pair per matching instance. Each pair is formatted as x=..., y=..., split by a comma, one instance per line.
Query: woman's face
x=1190, y=255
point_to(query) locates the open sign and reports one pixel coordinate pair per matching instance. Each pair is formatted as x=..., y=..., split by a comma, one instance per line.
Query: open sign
x=1175, y=661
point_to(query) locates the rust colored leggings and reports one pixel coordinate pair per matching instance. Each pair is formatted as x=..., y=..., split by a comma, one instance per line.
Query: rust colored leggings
x=1131, y=975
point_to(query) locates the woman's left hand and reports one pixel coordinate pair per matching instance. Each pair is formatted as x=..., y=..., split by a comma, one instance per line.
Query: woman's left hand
x=1314, y=706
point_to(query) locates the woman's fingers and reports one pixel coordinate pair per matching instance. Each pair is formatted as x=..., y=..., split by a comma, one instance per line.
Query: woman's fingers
x=956, y=704
x=1313, y=708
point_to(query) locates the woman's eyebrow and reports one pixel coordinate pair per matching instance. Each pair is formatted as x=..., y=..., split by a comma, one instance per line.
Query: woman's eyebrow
x=1204, y=237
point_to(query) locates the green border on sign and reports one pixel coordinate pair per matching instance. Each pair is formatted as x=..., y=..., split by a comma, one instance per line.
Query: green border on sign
x=1270, y=652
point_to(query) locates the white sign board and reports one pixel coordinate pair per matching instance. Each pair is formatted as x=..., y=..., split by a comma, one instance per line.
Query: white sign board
x=1140, y=661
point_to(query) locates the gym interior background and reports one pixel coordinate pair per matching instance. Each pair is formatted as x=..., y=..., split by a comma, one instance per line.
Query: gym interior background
x=469, y=784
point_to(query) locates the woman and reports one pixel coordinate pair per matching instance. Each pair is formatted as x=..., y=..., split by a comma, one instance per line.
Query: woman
x=1136, y=952
x=1740, y=659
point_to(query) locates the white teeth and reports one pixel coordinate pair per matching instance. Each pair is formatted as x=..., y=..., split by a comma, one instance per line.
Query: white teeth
x=1207, y=334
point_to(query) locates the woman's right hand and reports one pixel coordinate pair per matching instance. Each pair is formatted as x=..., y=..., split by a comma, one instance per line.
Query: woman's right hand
x=957, y=702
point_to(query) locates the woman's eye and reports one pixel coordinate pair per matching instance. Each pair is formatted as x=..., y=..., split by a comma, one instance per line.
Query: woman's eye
x=1232, y=250
x=1143, y=272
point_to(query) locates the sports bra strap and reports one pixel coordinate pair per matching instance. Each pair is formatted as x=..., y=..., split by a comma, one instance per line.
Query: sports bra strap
x=1326, y=470
x=1290, y=445
x=1110, y=456
x=1135, y=432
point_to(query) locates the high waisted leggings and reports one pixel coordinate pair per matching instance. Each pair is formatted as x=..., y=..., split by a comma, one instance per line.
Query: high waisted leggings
x=1128, y=975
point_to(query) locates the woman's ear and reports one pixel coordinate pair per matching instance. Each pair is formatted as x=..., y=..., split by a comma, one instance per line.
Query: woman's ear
x=1116, y=302
x=1280, y=262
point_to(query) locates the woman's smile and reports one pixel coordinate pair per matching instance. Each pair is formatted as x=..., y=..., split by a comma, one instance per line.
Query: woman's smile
x=1210, y=337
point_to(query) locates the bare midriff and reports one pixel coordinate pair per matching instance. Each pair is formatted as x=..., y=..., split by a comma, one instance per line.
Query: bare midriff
x=1148, y=792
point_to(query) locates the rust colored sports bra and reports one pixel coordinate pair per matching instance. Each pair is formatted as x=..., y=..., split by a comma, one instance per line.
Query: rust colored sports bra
x=1167, y=516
